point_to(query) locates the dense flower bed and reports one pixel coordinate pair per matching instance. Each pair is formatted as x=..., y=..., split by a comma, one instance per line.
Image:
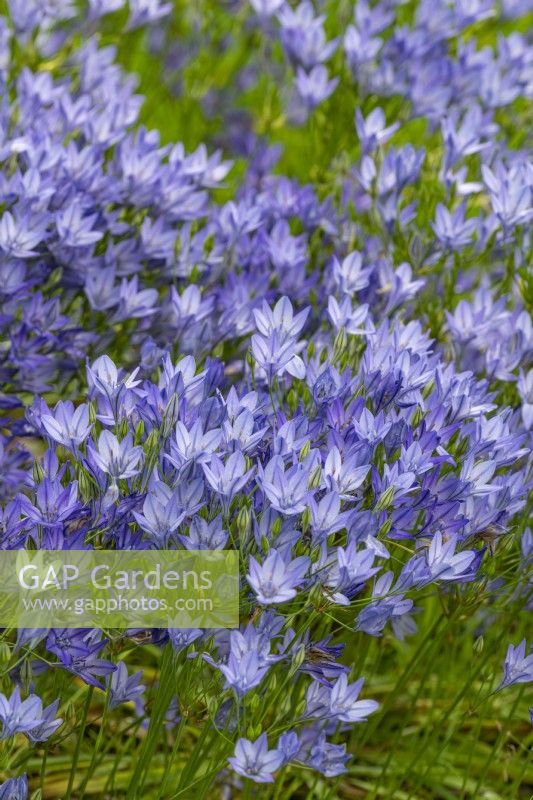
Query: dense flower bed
x=328, y=368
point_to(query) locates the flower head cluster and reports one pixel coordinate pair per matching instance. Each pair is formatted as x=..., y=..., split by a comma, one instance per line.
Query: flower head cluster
x=325, y=364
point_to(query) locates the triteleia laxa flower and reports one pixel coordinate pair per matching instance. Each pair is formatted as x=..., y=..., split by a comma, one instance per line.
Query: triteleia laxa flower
x=14, y=789
x=517, y=667
x=25, y=716
x=120, y=460
x=254, y=760
x=275, y=581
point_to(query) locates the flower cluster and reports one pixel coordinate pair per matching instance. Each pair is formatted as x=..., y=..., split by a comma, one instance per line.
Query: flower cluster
x=333, y=376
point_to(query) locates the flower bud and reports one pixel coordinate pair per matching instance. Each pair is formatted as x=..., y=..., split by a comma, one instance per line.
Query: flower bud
x=385, y=499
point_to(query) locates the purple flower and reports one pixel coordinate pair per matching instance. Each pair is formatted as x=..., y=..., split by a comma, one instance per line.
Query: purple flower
x=444, y=563
x=288, y=746
x=104, y=376
x=344, y=704
x=134, y=303
x=351, y=275
x=124, y=688
x=53, y=503
x=194, y=445
x=314, y=87
x=345, y=578
x=266, y=8
x=276, y=356
x=243, y=672
x=373, y=618
x=98, y=8
x=48, y=724
x=372, y=130
x=144, y=12
x=14, y=789
x=281, y=319
x=162, y=513
x=510, y=192
x=100, y=288
x=66, y=425
x=181, y=638
x=120, y=460
x=303, y=35
x=275, y=581
x=345, y=476
x=276, y=346
x=463, y=139
x=452, y=229
x=75, y=229
x=205, y=535
x=255, y=761
x=78, y=652
x=27, y=716
x=344, y=316
x=525, y=389
x=18, y=237
x=287, y=490
x=329, y=759
x=226, y=479
x=517, y=668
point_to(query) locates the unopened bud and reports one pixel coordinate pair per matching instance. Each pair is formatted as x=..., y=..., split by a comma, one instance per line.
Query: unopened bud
x=340, y=344
x=297, y=660
x=26, y=674
x=92, y=413
x=243, y=520
x=316, y=478
x=151, y=444
x=5, y=653
x=385, y=499
x=37, y=472
x=304, y=452
x=139, y=432
x=84, y=485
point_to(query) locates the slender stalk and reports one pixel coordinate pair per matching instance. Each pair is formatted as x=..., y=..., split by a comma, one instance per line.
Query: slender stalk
x=97, y=746
x=79, y=743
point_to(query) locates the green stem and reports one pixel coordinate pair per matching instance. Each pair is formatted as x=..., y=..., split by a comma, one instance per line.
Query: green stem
x=497, y=744
x=97, y=746
x=81, y=735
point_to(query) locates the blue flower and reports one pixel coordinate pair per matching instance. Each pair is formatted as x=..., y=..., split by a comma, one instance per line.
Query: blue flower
x=18, y=237
x=343, y=702
x=275, y=581
x=27, y=716
x=226, y=479
x=14, y=789
x=517, y=667
x=47, y=725
x=124, y=688
x=444, y=563
x=372, y=131
x=120, y=460
x=78, y=652
x=66, y=425
x=452, y=230
x=243, y=672
x=314, y=87
x=255, y=761
x=75, y=229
